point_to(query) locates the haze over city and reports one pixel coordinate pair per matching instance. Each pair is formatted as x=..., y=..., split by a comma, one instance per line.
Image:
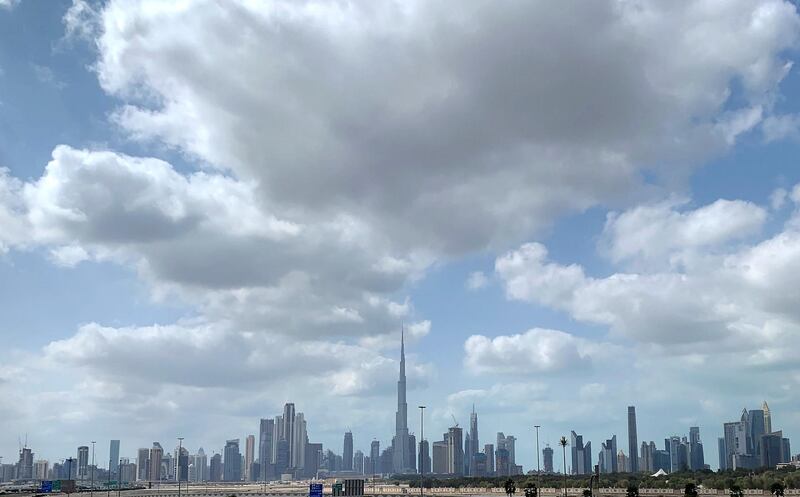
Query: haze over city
x=211, y=210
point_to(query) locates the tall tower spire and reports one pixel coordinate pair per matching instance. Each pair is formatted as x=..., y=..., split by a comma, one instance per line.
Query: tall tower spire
x=400, y=443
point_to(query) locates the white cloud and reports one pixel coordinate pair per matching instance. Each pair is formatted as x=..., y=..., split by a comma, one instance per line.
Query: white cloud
x=477, y=280
x=737, y=299
x=466, y=153
x=660, y=232
x=535, y=351
x=781, y=127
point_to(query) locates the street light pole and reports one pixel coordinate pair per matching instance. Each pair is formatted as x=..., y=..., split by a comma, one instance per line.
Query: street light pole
x=421, y=454
x=563, y=443
x=538, y=469
x=91, y=491
x=178, y=464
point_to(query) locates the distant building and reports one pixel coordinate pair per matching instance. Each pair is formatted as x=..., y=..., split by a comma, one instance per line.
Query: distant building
x=313, y=459
x=266, y=432
x=249, y=456
x=215, y=468
x=623, y=462
x=200, y=462
x=142, y=464
x=633, y=441
x=232, y=470
x=548, y=459
x=473, y=446
x=40, y=469
x=502, y=462
x=772, y=449
x=646, y=457
x=347, y=453
x=375, y=457
x=155, y=459
x=127, y=472
x=83, y=462
x=113, y=457
x=440, y=463
x=608, y=456
x=358, y=462
x=581, y=455
x=696, y=456
x=25, y=464
x=488, y=450
x=661, y=461
x=424, y=462
x=455, y=451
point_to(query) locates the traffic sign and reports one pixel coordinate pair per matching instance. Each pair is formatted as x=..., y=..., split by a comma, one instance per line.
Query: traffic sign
x=315, y=490
x=47, y=487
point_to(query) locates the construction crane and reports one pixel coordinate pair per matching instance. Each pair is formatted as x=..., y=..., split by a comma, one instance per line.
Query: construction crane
x=454, y=420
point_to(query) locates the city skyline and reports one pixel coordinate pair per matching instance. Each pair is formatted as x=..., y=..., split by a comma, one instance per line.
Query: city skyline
x=214, y=213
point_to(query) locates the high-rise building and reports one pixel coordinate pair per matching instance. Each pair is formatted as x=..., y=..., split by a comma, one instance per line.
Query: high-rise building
x=722, y=452
x=25, y=464
x=83, y=462
x=249, y=456
x=40, y=469
x=215, y=468
x=400, y=443
x=473, y=441
x=633, y=440
x=646, y=458
x=358, y=462
x=502, y=462
x=143, y=464
x=581, y=455
x=266, y=443
x=488, y=449
x=455, y=451
x=608, y=456
x=696, y=456
x=282, y=457
x=439, y=459
x=771, y=446
x=756, y=429
x=347, y=453
x=156, y=456
x=127, y=472
x=113, y=457
x=424, y=462
x=374, y=457
x=181, y=462
x=232, y=468
x=300, y=439
x=767, y=417
x=200, y=462
x=313, y=459
x=623, y=464
x=548, y=459
x=289, y=430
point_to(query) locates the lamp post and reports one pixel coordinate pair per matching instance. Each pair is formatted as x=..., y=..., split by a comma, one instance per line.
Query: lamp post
x=178, y=464
x=422, y=455
x=91, y=490
x=563, y=443
x=538, y=469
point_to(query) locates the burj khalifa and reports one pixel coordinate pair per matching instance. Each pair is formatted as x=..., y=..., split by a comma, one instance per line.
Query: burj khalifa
x=402, y=449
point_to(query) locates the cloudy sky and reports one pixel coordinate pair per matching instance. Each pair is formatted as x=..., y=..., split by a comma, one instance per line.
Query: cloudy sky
x=210, y=208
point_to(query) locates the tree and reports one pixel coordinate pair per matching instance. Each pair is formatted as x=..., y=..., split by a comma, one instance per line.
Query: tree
x=777, y=489
x=531, y=490
x=690, y=490
x=632, y=491
x=511, y=487
x=736, y=491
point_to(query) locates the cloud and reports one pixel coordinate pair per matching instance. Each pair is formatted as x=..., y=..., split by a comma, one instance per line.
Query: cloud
x=657, y=232
x=781, y=127
x=533, y=352
x=14, y=227
x=477, y=280
x=46, y=76
x=426, y=127
x=736, y=298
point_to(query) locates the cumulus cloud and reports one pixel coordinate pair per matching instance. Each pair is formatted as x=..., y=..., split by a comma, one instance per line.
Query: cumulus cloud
x=424, y=124
x=477, y=280
x=535, y=351
x=739, y=298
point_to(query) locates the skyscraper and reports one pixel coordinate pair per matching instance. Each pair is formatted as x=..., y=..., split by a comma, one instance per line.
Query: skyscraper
x=113, y=457
x=265, y=444
x=300, y=439
x=455, y=451
x=424, y=458
x=400, y=448
x=215, y=468
x=83, y=462
x=249, y=456
x=374, y=457
x=581, y=455
x=358, y=462
x=347, y=453
x=200, y=465
x=547, y=452
x=439, y=458
x=473, y=441
x=633, y=440
x=156, y=454
x=488, y=449
x=608, y=456
x=25, y=464
x=696, y=455
x=143, y=465
x=767, y=417
x=289, y=430
x=232, y=468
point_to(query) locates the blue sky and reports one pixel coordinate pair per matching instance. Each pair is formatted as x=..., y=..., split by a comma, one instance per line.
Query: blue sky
x=210, y=210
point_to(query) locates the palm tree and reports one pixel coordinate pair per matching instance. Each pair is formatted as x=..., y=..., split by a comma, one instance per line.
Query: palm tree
x=531, y=490
x=777, y=489
x=736, y=491
x=690, y=490
x=563, y=443
x=587, y=492
x=632, y=491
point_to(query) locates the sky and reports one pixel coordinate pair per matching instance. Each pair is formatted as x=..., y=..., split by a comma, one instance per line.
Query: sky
x=208, y=209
